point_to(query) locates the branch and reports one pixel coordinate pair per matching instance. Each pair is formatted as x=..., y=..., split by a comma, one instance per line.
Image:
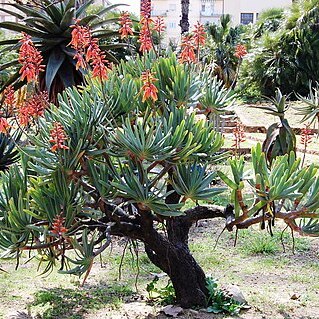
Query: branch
x=207, y=212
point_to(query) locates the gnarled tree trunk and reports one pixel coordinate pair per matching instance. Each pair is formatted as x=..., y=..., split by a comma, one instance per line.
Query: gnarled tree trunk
x=172, y=255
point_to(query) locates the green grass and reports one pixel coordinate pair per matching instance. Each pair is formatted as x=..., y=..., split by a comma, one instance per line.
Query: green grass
x=60, y=303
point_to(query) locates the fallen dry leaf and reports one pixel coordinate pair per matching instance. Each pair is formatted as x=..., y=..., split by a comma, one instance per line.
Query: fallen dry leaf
x=172, y=311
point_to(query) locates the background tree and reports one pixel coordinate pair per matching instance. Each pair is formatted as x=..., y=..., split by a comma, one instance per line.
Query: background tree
x=220, y=52
x=288, y=57
x=184, y=22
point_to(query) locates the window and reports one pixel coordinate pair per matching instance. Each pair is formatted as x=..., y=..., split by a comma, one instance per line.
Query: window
x=203, y=7
x=172, y=25
x=246, y=18
x=172, y=7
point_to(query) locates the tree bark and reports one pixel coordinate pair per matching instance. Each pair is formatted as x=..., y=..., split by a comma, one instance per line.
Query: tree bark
x=187, y=277
x=172, y=255
x=184, y=23
x=169, y=250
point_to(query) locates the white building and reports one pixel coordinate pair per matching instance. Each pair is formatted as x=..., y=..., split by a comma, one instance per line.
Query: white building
x=241, y=11
x=4, y=16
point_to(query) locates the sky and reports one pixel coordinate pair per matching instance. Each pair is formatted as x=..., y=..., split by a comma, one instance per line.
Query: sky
x=134, y=5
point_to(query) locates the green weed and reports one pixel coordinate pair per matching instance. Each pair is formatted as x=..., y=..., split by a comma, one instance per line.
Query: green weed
x=161, y=295
x=219, y=301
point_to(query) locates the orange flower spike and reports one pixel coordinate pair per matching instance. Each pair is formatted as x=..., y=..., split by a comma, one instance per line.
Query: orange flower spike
x=57, y=226
x=159, y=24
x=188, y=50
x=4, y=125
x=240, y=51
x=306, y=135
x=93, y=51
x=81, y=37
x=126, y=25
x=199, y=35
x=30, y=59
x=149, y=89
x=146, y=8
x=97, y=60
x=9, y=99
x=33, y=107
x=37, y=104
x=145, y=36
x=58, y=137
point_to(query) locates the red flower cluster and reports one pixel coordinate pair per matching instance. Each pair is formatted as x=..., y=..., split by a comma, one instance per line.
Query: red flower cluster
x=188, y=50
x=146, y=8
x=149, y=89
x=159, y=24
x=9, y=100
x=306, y=135
x=239, y=135
x=57, y=226
x=126, y=25
x=4, y=125
x=97, y=60
x=33, y=108
x=81, y=37
x=191, y=43
x=199, y=35
x=30, y=58
x=145, y=35
x=240, y=51
x=85, y=45
x=58, y=137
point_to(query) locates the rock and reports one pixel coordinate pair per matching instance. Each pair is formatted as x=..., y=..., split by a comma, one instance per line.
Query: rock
x=235, y=293
x=172, y=311
x=295, y=297
x=202, y=224
x=18, y=315
x=193, y=312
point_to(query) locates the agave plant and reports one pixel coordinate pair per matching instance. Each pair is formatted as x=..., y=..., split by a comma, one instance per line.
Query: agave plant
x=280, y=138
x=50, y=23
x=215, y=100
x=310, y=105
x=8, y=152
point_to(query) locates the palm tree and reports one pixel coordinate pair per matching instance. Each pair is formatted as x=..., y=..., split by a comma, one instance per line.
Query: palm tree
x=184, y=23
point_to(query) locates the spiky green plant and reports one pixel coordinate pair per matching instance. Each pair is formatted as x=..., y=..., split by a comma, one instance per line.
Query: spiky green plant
x=8, y=151
x=309, y=108
x=287, y=191
x=222, y=39
x=280, y=138
x=50, y=23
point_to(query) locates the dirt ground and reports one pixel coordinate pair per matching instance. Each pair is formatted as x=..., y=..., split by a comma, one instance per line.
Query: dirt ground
x=253, y=115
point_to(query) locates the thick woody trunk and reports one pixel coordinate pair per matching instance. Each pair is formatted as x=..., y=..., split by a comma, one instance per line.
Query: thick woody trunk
x=184, y=23
x=169, y=250
x=172, y=255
